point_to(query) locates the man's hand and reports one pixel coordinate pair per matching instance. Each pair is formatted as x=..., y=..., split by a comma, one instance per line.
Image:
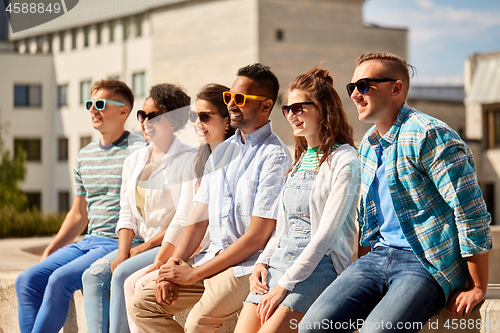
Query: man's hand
x=464, y=300
x=118, y=260
x=270, y=302
x=177, y=271
x=162, y=289
x=258, y=280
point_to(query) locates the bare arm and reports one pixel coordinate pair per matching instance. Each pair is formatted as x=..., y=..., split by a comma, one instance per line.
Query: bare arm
x=75, y=222
x=125, y=237
x=151, y=243
x=464, y=300
x=253, y=240
x=193, y=233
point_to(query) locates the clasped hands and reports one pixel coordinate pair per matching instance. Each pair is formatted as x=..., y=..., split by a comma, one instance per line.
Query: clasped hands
x=174, y=272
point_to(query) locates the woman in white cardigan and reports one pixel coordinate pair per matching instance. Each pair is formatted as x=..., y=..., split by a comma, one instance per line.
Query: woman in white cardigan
x=316, y=229
x=156, y=199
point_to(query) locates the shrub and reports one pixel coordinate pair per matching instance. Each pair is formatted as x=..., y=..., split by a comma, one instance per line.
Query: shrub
x=28, y=223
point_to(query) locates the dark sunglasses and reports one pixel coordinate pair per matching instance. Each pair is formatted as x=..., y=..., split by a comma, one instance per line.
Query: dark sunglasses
x=100, y=104
x=203, y=115
x=296, y=108
x=152, y=117
x=363, y=85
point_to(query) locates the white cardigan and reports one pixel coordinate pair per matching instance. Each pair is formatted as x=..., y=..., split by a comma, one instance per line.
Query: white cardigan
x=172, y=181
x=332, y=204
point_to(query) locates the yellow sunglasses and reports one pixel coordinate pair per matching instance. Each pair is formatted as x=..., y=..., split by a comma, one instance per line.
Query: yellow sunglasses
x=239, y=98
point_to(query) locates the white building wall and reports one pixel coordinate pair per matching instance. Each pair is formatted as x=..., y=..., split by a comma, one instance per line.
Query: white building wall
x=30, y=122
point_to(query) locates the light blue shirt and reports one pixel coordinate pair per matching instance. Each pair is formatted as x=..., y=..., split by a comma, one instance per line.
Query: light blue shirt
x=391, y=234
x=241, y=181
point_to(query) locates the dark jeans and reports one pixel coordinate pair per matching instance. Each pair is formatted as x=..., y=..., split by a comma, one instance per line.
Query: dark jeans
x=387, y=290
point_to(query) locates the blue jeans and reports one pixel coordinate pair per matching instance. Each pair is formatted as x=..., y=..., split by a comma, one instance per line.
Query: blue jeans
x=103, y=295
x=387, y=290
x=45, y=290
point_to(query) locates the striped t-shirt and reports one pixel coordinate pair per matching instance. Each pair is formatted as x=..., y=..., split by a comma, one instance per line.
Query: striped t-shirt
x=310, y=160
x=98, y=177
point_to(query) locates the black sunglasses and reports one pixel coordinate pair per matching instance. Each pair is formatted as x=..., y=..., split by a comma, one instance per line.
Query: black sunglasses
x=363, y=85
x=203, y=115
x=296, y=108
x=152, y=117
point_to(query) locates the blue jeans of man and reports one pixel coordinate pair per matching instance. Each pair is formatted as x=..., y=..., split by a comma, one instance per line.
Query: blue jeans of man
x=387, y=290
x=103, y=294
x=45, y=290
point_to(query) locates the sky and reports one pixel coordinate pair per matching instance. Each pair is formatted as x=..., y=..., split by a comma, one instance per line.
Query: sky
x=442, y=33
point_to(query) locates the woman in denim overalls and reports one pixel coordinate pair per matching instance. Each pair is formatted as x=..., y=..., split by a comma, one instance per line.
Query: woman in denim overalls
x=316, y=229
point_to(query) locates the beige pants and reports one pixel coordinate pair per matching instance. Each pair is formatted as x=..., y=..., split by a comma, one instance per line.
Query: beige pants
x=214, y=299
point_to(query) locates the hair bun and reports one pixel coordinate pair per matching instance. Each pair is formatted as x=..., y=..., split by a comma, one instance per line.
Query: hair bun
x=321, y=73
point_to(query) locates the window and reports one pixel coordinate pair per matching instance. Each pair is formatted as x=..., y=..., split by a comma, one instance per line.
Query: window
x=86, y=31
x=62, y=95
x=32, y=148
x=280, y=35
x=489, y=198
x=125, y=27
x=27, y=43
x=63, y=202
x=85, y=140
x=111, y=32
x=34, y=200
x=492, y=126
x=138, y=84
x=138, y=25
x=84, y=91
x=74, y=34
x=50, y=38
x=61, y=41
x=27, y=95
x=98, y=30
x=39, y=44
x=62, y=149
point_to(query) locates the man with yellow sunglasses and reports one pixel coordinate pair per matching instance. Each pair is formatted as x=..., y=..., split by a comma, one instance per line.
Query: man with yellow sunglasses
x=238, y=202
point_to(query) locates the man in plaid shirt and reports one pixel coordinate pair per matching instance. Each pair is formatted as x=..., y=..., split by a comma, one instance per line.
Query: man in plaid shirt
x=421, y=214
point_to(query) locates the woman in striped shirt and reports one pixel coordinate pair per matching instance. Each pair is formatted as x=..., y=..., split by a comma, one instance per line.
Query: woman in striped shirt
x=316, y=229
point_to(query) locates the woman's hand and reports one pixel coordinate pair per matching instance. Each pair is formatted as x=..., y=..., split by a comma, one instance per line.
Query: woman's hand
x=139, y=249
x=258, y=280
x=118, y=260
x=270, y=302
x=155, y=266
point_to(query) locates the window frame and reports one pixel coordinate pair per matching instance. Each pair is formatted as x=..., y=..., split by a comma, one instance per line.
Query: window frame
x=27, y=96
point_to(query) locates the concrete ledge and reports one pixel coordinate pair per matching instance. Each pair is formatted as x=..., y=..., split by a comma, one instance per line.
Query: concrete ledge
x=76, y=316
x=485, y=318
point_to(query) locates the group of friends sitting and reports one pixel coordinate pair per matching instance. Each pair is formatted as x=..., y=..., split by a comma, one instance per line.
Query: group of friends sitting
x=237, y=225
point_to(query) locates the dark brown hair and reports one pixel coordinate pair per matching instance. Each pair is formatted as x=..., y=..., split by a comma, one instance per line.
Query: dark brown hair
x=119, y=88
x=394, y=67
x=211, y=93
x=169, y=97
x=317, y=85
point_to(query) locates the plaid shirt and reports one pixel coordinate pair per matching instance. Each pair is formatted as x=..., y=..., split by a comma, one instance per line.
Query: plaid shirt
x=431, y=177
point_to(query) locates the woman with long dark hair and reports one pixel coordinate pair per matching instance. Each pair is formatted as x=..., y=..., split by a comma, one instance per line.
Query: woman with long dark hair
x=316, y=229
x=210, y=120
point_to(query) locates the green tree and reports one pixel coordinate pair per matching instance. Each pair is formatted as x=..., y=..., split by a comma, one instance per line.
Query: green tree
x=12, y=172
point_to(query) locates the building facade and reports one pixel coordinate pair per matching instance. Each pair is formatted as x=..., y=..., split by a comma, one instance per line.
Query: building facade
x=482, y=106
x=47, y=75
